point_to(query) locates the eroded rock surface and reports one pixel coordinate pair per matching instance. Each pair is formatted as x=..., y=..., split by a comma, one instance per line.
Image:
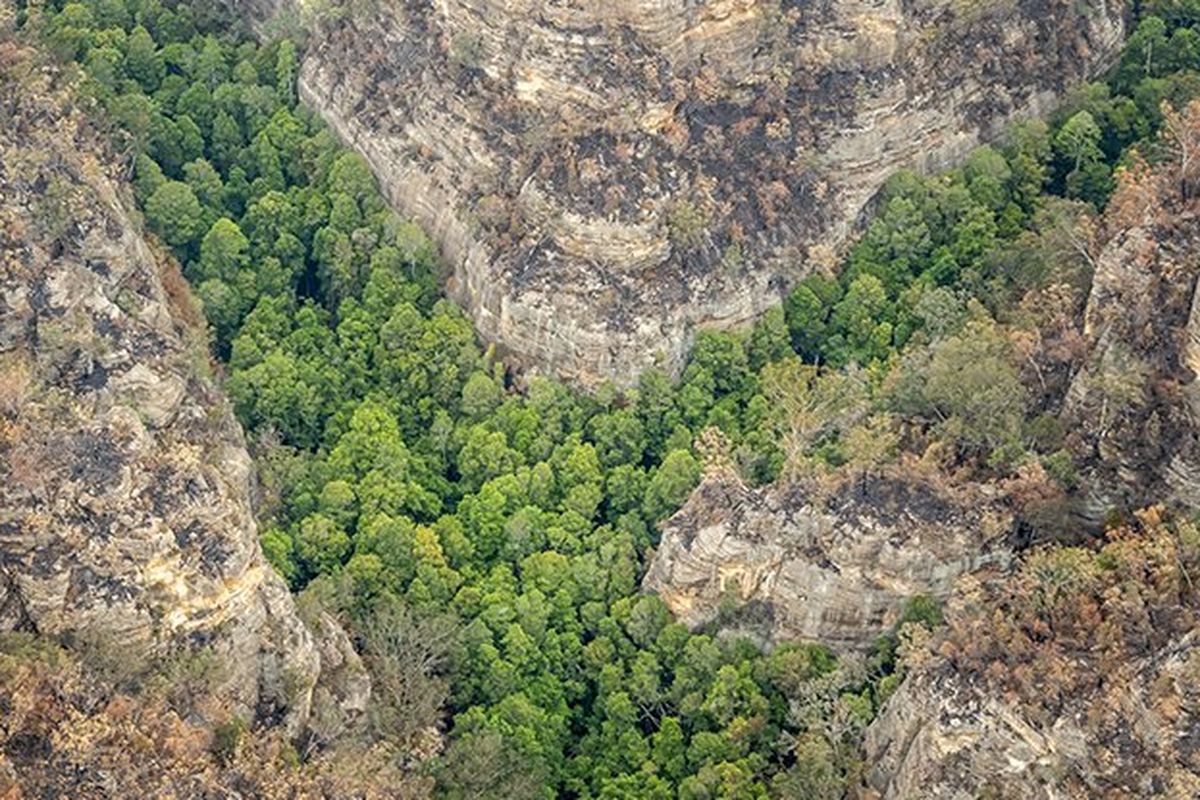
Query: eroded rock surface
x=1134, y=402
x=945, y=736
x=1073, y=679
x=837, y=571
x=125, y=516
x=604, y=178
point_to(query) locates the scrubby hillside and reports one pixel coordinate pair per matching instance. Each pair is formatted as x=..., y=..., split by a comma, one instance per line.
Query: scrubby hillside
x=1074, y=677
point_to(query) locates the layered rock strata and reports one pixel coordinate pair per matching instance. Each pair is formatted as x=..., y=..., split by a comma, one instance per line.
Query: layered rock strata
x=945, y=737
x=778, y=563
x=1073, y=679
x=605, y=178
x=1134, y=402
x=125, y=513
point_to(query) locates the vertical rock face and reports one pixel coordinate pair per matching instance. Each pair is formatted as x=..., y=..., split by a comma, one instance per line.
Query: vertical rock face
x=1073, y=679
x=837, y=572
x=125, y=514
x=603, y=178
x=944, y=737
x=1134, y=403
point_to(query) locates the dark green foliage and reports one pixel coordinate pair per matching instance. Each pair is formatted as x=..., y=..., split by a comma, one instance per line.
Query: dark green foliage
x=175, y=213
x=807, y=310
x=401, y=472
x=227, y=738
x=403, y=476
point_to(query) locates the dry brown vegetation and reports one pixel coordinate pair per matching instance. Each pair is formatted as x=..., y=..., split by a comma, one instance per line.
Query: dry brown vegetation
x=1070, y=618
x=68, y=732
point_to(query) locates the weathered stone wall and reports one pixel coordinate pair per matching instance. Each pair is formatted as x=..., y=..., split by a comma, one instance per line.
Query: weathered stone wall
x=1072, y=678
x=783, y=565
x=604, y=178
x=125, y=515
x=1134, y=401
x=943, y=737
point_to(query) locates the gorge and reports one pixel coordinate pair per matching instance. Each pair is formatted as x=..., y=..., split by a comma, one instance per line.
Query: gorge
x=745, y=462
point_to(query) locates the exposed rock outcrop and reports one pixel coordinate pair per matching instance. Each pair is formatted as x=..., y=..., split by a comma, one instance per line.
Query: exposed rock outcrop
x=604, y=178
x=1074, y=679
x=1134, y=403
x=125, y=515
x=945, y=736
x=838, y=572
x=66, y=732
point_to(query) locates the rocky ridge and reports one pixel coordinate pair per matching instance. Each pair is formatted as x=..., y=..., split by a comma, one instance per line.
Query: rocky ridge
x=125, y=513
x=1135, y=399
x=1075, y=677
x=783, y=564
x=603, y=179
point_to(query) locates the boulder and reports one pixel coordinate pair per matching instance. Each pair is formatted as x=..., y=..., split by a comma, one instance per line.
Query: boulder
x=784, y=564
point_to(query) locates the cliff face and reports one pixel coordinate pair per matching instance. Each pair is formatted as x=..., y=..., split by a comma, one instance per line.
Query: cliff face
x=1134, y=401
x=125, y=515
x=785, y=566
x=603, y=178
x=1075, y=678
x=946, y=737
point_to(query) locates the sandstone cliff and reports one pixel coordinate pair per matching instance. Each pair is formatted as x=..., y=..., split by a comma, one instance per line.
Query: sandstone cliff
x=125, y=517
x=783, y=565
x=68, y=732
x=1074, y=678
x=1134, y=401
x=604, y=178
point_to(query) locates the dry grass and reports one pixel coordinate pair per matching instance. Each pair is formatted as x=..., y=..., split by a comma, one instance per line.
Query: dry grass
x=16, y=382
x=180, y=300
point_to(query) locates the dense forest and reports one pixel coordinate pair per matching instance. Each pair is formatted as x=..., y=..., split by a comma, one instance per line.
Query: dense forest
x=484, y=535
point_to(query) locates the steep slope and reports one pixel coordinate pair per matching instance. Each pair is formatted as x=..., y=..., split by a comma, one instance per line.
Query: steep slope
x=125, y=517
x=1075, y=678
x=69, y=731
x=786, y=565
x=605, y=178
x=1134, y=401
